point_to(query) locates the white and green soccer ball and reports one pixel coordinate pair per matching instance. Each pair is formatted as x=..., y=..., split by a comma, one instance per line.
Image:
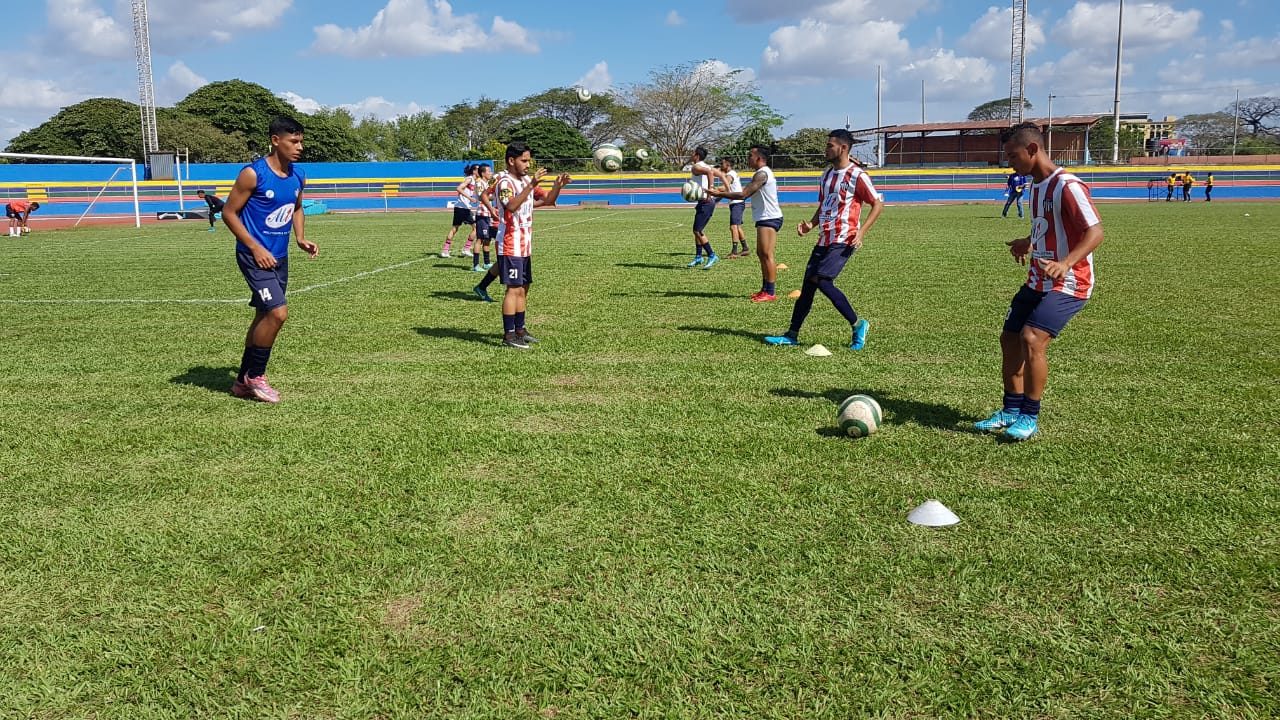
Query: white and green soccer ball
x=859, y=416
x=584, y=94
x=642, y=154
x=608, y=158
x=692, y=191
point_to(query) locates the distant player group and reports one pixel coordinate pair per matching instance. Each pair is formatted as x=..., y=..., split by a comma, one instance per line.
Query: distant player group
x=265, y=205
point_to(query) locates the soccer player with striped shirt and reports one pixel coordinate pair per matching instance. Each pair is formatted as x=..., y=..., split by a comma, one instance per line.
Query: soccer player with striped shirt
x=765, y=212
x=1065, y=230
x=463, y=214
x=842, y=192
x=517, y=195
x=485, y=218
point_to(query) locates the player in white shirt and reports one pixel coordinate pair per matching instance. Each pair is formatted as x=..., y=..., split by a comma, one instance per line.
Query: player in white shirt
x=767, y=215
x=736, y=208
x=703, y=174
x=463, y=213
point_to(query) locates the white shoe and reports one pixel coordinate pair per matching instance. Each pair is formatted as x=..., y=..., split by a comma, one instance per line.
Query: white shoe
x=467, y=253
x=444, y=253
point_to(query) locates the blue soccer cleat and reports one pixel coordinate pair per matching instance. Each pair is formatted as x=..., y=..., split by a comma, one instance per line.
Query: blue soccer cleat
x=1022, y=428
x=695, y=262
x=711, y=261
x=781, y=340
x=482, y=293
x=999, y=420
x=859, y=335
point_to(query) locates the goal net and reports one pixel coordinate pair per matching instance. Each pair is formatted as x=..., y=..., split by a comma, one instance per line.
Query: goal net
x=72, y=188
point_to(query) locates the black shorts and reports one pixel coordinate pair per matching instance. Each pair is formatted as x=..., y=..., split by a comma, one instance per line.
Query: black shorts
x=735, y=213
x=266, y=286
x=1048, y=311
x=702, y=215
x=484, y=227
x=827, y=261
x=11, y=213
x=463, y=216
x=775, y=223
x=515, y=271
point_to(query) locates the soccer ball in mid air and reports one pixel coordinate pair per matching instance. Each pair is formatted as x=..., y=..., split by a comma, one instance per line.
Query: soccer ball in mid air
x=642, y=154
x=859, y=415
x=608, y=158
x=691, y=191
x=584, y=94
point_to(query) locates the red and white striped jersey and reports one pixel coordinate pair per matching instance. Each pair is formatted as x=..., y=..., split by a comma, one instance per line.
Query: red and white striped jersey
x=841, y=194
x=482, y=210
x=515, y=231
x=1061, y=211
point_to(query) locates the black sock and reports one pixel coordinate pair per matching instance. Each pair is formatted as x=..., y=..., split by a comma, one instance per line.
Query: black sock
x=487, y=280
x=707, y=249
x=245, y=359
x=486, y=257
x=1013, y=402
x=508, y=324
x=258, y=359
x=1030, y=407
x=519, y=320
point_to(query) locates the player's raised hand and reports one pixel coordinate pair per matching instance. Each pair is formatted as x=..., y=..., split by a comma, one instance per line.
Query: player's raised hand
x=1019, y=249
x=564, y=179
x=539, y=174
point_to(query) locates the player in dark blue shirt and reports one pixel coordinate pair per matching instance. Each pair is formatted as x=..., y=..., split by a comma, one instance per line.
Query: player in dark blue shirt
x=264, y=204
x=1013, y=188
x=215, y=206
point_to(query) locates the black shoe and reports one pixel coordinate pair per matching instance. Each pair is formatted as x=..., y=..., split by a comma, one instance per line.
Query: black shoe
x=512, y=340
x=526, y=337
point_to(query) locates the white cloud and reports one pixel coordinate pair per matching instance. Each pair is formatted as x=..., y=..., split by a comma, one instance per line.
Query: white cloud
x=414, y=27
x=720, y=68
x=376, y=106
x=36, y=94
x=179, y=82
x=83, y=27
x=947, y=77
x=673, y=18
x=597, y=79
x=989, y=36
x=1148, y=25
x=840, y=12
x=819, y=50
x=1253, y=52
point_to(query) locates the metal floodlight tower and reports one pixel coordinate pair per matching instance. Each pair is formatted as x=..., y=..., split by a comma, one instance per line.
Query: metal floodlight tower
x=146, y=92
x=1018, y=62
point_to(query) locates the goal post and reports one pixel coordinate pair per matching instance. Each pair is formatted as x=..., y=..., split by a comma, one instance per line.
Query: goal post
x=133, y=174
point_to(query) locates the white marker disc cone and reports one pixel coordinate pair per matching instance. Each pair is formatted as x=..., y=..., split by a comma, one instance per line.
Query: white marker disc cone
x=933, y=514
x=818, y=351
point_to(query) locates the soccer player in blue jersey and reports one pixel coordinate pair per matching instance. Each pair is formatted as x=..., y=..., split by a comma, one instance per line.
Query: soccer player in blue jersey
x=264, y=204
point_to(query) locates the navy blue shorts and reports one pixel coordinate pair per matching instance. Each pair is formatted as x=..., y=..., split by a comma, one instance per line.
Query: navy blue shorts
x=10, y=212
x=463, y=216
x=775, y=223
x=827, y=261
x=515, y=271
x=266, y=286
x=702, y=215
x=735, y=213
x=1048, y=311
x=484, y=228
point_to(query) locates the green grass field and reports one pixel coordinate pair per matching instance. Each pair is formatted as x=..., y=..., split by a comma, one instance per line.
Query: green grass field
x=651, y=513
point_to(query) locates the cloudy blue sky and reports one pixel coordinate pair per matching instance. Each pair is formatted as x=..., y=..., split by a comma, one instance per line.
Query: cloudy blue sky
x=814, y=60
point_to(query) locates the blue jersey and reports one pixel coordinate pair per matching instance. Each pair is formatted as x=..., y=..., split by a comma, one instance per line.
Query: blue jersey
x=268, y=214
x=1016, y=182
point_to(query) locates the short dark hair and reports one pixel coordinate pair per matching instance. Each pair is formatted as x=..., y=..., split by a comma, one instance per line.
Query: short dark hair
x=199, y=193
x=765, y=152
x=33, y=206
x=726, y=159
x=1022, y=135
x=842, y=135
x=285, y=125
x=701, y=152
x=516, y=149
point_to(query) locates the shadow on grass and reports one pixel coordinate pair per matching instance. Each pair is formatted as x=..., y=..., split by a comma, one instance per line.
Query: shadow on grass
x=453, y=266
x=457, y=334
x=897, y=410
x=649, y=266
x=457, y=295
x=754, y=336
x=685, y=293
x=217, y=379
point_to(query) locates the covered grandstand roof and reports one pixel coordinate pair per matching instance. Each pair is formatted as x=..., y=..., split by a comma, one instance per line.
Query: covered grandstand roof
x=975, y=125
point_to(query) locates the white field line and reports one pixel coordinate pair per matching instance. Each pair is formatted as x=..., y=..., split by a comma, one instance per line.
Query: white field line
x=214, y=301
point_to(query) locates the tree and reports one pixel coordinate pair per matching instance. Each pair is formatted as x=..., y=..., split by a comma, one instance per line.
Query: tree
x=236, y=106
x=601, y=119
x=1208, y=133
x=470, y=126
x=553, y=142
x=106, y=127
x=1260, y=114
x=423, y=137
x=203, y=142
x=1102, y=141
x=995, y=109
x=805, y=148
x=754, y=135
x=329, y=137
x=693, y=104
